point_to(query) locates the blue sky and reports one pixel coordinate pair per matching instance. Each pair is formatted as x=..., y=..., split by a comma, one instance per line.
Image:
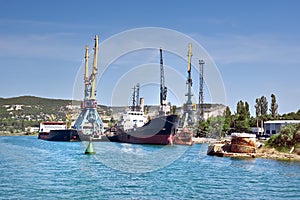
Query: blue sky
x=255, y=44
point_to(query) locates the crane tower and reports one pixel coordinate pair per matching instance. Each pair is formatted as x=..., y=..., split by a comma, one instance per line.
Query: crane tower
x=201, y=85
x=89, y=122
x=188, y=113
x=164, y=108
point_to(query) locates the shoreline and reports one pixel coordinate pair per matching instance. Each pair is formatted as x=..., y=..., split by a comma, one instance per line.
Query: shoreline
x=271, y=153
x=276, y=156
x=18, y=134
x=262, y=152
x=223, y=149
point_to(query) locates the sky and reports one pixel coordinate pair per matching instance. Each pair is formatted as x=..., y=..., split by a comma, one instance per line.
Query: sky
x=255, y=46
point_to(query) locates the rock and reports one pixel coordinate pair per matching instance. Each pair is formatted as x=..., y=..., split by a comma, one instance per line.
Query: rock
x=258, y=144
x=215, y=149
x=243, y=143
x=236, y=148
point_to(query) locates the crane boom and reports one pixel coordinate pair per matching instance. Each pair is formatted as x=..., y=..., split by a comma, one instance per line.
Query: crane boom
x=189, y=63
x=86, y=74
x=163, y=88
x=95, y=68
x=189, y=79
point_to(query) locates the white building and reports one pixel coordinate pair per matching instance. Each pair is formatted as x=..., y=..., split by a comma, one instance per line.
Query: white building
x=274, y=126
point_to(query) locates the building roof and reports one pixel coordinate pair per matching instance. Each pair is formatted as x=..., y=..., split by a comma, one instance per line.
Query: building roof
x=283, y=122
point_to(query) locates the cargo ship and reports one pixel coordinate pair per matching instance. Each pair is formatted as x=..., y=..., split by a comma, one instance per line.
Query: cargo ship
x=57, y=131
x=159, y=130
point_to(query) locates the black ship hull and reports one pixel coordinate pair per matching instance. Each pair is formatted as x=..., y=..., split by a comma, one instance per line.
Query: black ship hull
x=160, y=130
x=67, y=135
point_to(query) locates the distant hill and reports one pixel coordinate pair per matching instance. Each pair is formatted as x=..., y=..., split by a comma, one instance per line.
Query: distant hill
x=32, y=100
x=30, y=107
x=19, y=112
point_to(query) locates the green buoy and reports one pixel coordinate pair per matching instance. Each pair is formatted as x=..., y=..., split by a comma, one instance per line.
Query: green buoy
x=90, y=149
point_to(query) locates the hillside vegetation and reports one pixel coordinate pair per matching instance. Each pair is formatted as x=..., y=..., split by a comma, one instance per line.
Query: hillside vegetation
x=18, y=113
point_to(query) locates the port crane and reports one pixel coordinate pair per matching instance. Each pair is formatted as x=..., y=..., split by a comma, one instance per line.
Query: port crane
x=164, y=108
x=188, y=118
x=89, y=121
x=201, y=85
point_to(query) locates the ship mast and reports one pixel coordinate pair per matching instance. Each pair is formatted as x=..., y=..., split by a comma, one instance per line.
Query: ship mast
x=133, y=99
x=163, y=88
x=136, y=98
x=137, y=106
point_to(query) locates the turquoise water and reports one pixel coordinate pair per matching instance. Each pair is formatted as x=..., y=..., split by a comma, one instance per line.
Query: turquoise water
x=36, y=169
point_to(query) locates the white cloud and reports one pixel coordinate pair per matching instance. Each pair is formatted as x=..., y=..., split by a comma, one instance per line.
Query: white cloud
x=42, y=39
x=250, y=48
x=38, y=46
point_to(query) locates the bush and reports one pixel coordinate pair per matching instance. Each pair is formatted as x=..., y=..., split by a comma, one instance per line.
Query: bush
x=288, y=137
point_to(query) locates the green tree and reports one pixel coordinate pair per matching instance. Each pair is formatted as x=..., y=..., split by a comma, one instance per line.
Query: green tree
x=215, y=128
x=202, y=128
x=242, y=117
x=274, y=107
x=227, y=121
x=258, y=117
x=264, y=106
x=291, y=116
x=247, y=110
x=258, y=107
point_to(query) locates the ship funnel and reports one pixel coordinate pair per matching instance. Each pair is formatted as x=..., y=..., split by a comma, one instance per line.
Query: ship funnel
x=142, y=104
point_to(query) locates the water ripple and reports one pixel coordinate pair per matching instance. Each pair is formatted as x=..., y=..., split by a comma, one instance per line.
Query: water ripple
x=36, y=169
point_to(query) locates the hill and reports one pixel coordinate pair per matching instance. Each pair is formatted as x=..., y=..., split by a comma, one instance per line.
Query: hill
x=30, y=107
x=31, y=100
x=17, y=113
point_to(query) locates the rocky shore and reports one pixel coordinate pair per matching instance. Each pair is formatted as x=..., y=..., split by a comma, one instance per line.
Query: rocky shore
x=264, y=152
x=246, y=146
x=271, y=153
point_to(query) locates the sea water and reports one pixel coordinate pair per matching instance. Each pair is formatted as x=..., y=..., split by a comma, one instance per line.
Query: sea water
x=37, y=169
